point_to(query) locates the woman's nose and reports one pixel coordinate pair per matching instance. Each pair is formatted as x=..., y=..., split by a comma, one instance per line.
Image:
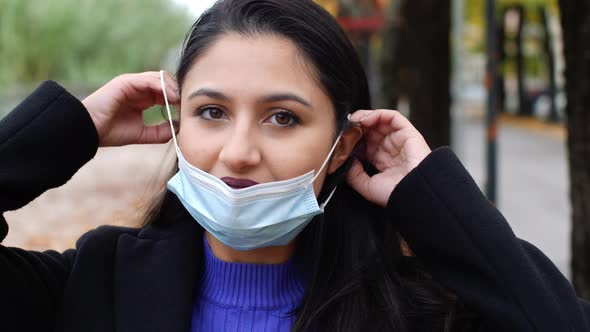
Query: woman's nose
x=240, y=151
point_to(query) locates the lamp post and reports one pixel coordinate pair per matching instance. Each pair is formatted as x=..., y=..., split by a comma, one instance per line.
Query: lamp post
x=457, y=82
x=491, y=86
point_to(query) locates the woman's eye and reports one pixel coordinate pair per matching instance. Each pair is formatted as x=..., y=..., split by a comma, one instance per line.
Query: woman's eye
x=284, y=119
x=211, y=113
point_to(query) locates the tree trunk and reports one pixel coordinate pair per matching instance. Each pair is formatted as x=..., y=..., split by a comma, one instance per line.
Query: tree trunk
x=390, y=89
x=424, y=66
x=575, y=20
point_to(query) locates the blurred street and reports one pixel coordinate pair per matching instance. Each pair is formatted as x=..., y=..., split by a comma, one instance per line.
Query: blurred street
x=113, y=188
x=533, y=181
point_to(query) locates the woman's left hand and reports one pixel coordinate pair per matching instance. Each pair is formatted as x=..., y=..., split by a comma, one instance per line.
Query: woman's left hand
x=394, y=147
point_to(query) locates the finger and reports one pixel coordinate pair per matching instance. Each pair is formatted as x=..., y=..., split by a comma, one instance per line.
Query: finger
x=358, y=179
x=172, y=88
x=138, y=90
x=384, y=123
x=170, y=84
x=376, y=135
x=360, y=114
x=150, y=82
x=156, y=134
x=385, y=156
x=376, y=124
x=399, y=138
x=391, y=144
x=379, y=114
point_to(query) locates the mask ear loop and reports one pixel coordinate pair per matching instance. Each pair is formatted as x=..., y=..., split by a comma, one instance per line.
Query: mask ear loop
x=168, y=110
x=323, y=205
x=329, y=156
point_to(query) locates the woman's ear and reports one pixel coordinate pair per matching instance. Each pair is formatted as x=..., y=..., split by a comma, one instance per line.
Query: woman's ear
x=348, y=141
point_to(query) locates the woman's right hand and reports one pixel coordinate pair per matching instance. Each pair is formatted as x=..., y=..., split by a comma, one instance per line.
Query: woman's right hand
x=117, y=109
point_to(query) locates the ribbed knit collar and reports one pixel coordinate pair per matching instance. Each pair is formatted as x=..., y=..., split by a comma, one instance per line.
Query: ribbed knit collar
x=252, y=286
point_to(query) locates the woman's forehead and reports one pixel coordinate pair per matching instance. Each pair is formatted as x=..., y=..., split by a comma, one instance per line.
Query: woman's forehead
x=237, y=64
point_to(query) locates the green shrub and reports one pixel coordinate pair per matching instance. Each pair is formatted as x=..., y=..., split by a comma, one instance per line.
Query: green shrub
x=86, y=42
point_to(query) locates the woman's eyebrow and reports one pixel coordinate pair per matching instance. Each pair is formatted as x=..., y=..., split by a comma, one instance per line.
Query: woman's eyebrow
x=213, y=94
x=272, y=98
x=284, y=97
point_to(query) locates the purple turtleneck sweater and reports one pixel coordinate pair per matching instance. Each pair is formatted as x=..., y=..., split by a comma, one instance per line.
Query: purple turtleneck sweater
x=245, y=297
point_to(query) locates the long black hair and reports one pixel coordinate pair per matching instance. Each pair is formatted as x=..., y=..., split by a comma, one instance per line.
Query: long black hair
x=358, y=278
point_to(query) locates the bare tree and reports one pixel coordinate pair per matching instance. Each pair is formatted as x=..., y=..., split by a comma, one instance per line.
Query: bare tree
x=420, y=66
x=575, y=20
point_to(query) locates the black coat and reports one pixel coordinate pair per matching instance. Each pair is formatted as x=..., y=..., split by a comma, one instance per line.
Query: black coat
x=126, y=279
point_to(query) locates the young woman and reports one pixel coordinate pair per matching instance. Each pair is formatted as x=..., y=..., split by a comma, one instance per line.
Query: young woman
x=286, y=210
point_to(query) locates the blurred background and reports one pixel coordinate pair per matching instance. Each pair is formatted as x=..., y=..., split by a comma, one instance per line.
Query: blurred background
x=505, y=83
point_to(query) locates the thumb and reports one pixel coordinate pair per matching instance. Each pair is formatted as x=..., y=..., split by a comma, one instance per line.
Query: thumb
x=358, y=179
x=156, y=134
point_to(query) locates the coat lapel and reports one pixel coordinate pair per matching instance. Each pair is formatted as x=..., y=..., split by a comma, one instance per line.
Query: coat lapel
x=155, y=277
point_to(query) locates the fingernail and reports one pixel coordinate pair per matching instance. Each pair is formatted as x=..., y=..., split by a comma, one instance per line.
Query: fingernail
x=349, y=117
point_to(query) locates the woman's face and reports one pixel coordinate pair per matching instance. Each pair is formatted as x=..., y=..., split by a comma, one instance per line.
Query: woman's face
x=251, y=110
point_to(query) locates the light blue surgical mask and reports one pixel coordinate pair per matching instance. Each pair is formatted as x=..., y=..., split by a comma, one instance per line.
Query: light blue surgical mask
x=263, y=215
